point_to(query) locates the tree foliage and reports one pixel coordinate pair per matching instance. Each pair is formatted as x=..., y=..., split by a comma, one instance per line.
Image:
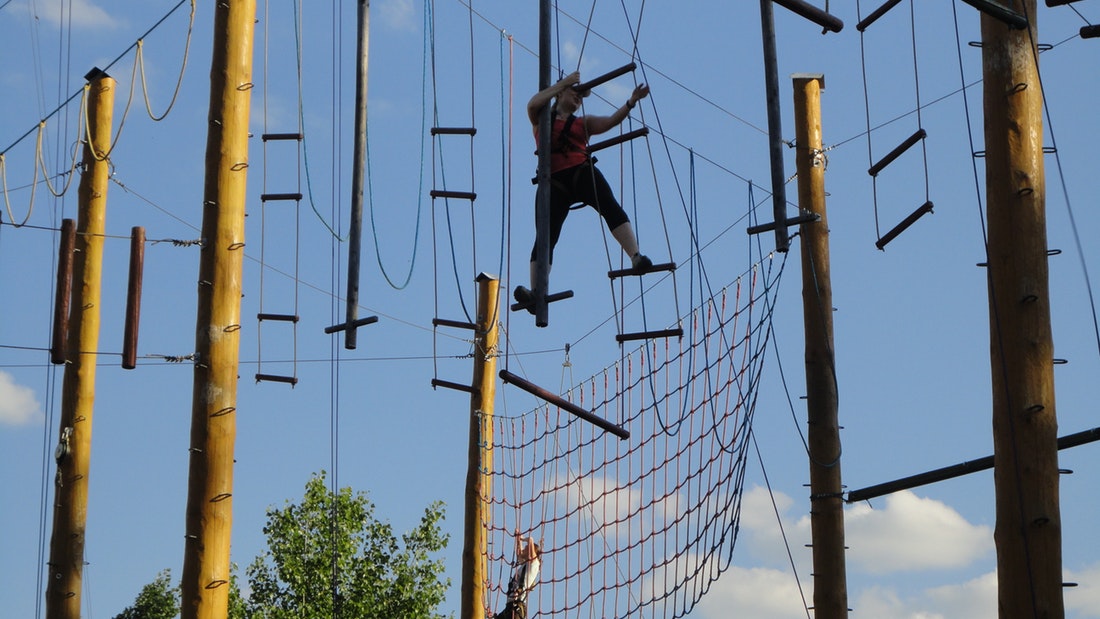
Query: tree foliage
x=157, y=600
x=329, y=556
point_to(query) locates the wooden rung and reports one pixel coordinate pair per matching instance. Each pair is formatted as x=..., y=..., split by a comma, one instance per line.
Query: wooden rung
x=562, y=403
x=278, y=317
x=355, y=324
x=550, y=298
x=999, y=11
x=814, y=14
x=462, y=195
x=443, y=322
x=875, y=14
x=606, y=77
x=648, y=335
x=1090, y=32
x=667, y=266
x=275, y=378
x=449, y=385
x=894, y=154
x=1053, y=3
x=267, y=137
x=804, y=218
x=265, y=197
x=454, y=131
x=905, y=223
x=619, y=139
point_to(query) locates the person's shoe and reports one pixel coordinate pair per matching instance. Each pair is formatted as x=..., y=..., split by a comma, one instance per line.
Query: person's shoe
x=524, y=297
x=640, y=262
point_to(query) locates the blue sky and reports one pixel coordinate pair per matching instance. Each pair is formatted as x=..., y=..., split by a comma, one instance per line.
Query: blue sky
x=911, y=322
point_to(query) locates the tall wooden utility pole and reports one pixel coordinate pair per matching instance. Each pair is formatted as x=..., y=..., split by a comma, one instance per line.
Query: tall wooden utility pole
x=74, y=449
x=1025, y=431
x=358, y=173
x=480, y=465
x=204, y=589
x=823, y=431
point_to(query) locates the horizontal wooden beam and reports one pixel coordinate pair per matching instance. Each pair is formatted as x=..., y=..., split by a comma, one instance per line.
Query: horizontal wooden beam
x=562, y=403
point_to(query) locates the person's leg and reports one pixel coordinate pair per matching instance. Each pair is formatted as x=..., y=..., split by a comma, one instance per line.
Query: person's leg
x=597, y=193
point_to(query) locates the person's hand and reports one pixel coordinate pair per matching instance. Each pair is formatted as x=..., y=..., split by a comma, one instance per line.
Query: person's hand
x=641, y=91
x=569, y=81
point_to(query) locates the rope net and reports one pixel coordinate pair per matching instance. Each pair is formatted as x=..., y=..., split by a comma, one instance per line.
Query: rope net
x=639, y=527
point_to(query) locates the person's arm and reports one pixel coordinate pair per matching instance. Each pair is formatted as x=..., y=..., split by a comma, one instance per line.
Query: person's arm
x=596, y=125
x=544, y=96
x=519, y=547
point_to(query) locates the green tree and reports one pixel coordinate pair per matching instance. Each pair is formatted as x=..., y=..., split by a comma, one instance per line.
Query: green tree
x=157, y=600
x=329, y=557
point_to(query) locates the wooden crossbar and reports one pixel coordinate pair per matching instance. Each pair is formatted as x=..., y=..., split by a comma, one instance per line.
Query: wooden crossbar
x=999, y=11
x=619, y=139
x=454, y=131
x=812, y=13
x=564, y=404
x=905, y=223
x=275, y=378
x=277, y=317
x=550, y=298
x=919, y=135
x=355, y=324
x=606, y=77
x=443, y=322
x=648, y=335
x=667, y=266
x=456, y=386
x=461, y=195
x=282, y=136
x=265, y=197
x=877, y=13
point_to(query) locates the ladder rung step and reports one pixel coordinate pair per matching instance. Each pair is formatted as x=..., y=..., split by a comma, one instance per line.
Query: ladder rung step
x=919, y=135
x=877, y=13
x=443, y=322
x=454, y=131
x=449, y=385
x=922, y=210
x=462, y=195
x=355, y=324
x=629, y=135
x=275, y=378
x=667, y=266
x=648, y=335
x=797, y=220
x=282, y=136
x=280, y=196
x=1090, y=32
x=550, y=298
x=278, y=317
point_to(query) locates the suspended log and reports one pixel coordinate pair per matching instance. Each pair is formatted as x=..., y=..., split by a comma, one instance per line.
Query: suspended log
x=877, y=13
x=562, y=403
x=64, y=286
x=133, y=298
x=606, y=77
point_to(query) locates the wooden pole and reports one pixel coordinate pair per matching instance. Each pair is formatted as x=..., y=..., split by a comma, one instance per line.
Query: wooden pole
x=542, y=194
x=775, y=127
x=480, y=466
x=204, y=589
x=1028, y=534
x=133, y=298
x=823, y=431
x=66, y=566
x=65, y=248
x=358, y=172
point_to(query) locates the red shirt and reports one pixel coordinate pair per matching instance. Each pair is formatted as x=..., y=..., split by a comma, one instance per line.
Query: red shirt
x=570, y=150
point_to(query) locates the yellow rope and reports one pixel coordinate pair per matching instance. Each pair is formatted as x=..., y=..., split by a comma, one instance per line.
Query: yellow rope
x=140, y=59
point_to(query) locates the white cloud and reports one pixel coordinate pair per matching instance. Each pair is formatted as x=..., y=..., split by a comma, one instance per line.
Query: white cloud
x=1084, y=599
x=18, y=406
x=399, y=15
x=912, y=533
x=760, y=593
x=77, y=13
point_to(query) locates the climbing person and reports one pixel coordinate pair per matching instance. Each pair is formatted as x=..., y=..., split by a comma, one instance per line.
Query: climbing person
x=525, y=575
x=573, y=176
